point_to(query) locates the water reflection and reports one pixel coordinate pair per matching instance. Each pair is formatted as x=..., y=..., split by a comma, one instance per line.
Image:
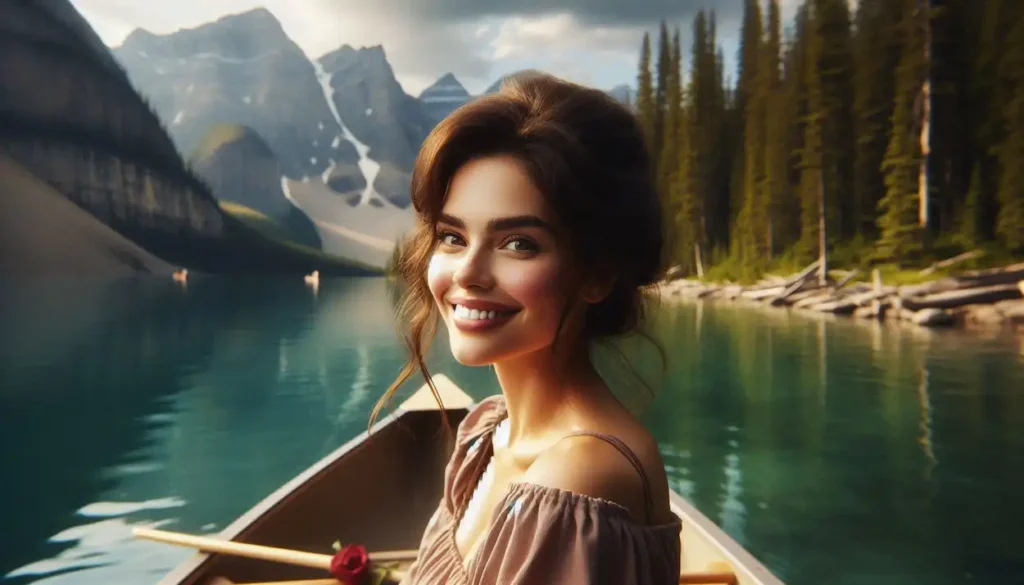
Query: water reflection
x=158, y=405
x=816, y=442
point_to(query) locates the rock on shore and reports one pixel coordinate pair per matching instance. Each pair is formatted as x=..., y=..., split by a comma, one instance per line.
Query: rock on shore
x=972, y=298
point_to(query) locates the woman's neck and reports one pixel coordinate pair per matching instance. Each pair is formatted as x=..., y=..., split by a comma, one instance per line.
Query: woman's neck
x=541, y=387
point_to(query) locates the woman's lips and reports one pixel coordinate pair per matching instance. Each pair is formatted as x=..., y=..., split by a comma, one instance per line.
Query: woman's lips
x=480, y=316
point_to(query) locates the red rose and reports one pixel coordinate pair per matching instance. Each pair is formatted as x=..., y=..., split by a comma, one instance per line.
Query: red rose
x=351, y=565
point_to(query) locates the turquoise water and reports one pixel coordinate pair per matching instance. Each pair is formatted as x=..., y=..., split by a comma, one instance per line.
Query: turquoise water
x=835, y=451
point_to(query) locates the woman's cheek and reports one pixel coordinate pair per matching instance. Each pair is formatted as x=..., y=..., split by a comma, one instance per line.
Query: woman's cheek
x=438, y=276
x=533, y=282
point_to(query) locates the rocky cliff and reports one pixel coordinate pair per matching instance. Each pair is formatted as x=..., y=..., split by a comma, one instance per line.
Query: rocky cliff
x=70, y=117
x=42, y=233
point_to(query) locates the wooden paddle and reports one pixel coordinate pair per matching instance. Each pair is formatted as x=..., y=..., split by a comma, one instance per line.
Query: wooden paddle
x=684, y=579
x=321, y=561
x=266, y=553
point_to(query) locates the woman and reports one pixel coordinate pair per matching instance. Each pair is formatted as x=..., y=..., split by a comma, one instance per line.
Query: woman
x=538, y=226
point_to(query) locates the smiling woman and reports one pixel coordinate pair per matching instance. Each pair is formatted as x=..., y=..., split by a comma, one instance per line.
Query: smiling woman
x=538, y=227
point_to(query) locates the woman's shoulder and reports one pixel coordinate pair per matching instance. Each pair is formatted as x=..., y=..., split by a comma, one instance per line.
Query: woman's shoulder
x=624, y=468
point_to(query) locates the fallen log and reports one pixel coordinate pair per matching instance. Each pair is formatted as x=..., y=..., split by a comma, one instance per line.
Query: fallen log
x=805, y=273
x=846, y=279
x=761, y=294
x=1004, y=271
x=839, y=307
x=956, y=298
x=795, y=284
x=931, y=287
x=951, y=261
x=819, y=296
x=863, y=299
x=851, y=290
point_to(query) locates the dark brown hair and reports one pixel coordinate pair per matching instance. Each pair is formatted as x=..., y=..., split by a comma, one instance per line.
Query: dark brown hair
x=586, y=154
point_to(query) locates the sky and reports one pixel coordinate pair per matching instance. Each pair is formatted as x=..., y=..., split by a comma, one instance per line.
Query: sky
x=594, y=42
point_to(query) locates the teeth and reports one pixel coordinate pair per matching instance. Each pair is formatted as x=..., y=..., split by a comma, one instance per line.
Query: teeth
x=464, y=313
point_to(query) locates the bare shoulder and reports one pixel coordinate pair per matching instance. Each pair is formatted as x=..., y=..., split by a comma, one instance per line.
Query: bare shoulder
x=590, y=466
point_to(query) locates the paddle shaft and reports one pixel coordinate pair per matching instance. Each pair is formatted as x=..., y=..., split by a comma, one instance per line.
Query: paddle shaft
x=257, y=551
x=707, y=579
x=320, y=561
x=684, y=579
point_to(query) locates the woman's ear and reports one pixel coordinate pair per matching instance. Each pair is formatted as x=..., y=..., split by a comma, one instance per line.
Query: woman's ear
x=598, y=289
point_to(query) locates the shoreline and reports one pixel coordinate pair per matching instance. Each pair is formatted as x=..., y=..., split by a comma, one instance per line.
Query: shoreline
x=977, y=298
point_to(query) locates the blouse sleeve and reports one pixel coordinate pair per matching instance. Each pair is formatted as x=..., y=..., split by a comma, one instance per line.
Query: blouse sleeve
x=547, y=535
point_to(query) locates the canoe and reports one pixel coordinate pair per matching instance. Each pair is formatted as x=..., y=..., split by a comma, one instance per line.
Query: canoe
x=380, y=489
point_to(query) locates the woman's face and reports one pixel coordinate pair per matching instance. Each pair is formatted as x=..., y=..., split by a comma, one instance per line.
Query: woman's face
x=497, y=273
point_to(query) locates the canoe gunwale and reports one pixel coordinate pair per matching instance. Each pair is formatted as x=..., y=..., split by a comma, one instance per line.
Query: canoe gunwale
x=293, y=488
x=741, y=561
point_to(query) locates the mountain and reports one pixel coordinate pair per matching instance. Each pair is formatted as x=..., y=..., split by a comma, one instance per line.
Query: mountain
x=386, y=124
x=341, y=119
x=494, y=87
x=70, y=117
x=245, y=177
x=624, y=93
x=240, y=69
x=443, y=97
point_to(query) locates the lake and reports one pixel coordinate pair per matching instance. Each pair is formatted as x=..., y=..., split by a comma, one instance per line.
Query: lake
x=836, y=451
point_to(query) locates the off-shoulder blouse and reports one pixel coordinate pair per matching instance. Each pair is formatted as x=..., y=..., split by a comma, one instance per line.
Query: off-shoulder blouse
x=539, y=534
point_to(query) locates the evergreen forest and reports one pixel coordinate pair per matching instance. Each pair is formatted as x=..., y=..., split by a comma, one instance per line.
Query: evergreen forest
x=876, y=133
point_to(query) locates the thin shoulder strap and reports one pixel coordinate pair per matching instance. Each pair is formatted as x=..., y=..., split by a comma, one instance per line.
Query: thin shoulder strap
x=632, y=458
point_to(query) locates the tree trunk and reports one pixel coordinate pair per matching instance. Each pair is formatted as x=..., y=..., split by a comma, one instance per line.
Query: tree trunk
x=822, y=259
x=926, y=114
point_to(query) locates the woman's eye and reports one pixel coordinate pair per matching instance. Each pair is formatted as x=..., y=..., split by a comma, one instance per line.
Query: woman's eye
x=448, y=238
x=520, y=245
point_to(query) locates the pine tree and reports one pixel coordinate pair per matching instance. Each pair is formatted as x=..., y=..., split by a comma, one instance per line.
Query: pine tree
x=876, y=57
x=953, y=26
x=748, y=229
x=794, y=98
x=771, y=191
x=751, y=40
x=645, y=95
x=1010, y=221
x=811, y=174
x=835, y=67
x=900, y=233
x=718, y=205
x=988, y=102
x=695, y=175
x=668, y=166
x=664, y=72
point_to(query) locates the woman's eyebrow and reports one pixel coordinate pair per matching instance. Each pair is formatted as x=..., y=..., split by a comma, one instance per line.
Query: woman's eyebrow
x=502, y=223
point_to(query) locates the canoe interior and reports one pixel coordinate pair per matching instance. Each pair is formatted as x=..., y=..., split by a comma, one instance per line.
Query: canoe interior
x=377, y=490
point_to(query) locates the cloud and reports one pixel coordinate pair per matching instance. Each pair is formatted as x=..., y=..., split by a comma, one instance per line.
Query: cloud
x=590, y=41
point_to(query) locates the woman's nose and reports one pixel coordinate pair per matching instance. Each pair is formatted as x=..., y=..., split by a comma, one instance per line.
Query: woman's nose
x=474, y=270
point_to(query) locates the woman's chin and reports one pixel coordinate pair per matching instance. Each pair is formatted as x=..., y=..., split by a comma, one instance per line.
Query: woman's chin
x=472, y=356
